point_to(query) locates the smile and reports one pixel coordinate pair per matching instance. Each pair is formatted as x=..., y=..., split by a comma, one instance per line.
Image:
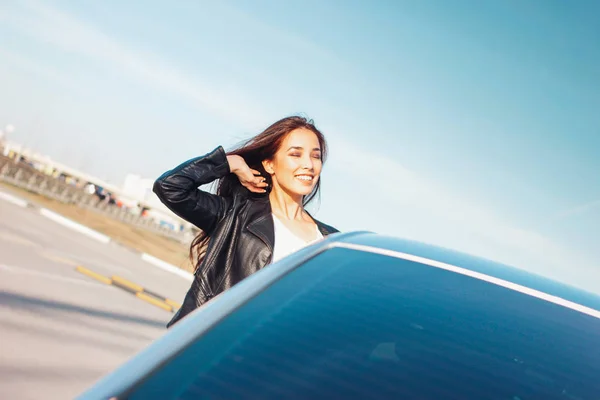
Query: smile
x=305, y=178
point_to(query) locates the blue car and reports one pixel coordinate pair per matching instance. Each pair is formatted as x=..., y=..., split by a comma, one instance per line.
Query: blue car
x=365, y=316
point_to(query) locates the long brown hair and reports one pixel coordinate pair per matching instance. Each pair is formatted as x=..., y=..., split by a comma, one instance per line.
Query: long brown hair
x=254, y=151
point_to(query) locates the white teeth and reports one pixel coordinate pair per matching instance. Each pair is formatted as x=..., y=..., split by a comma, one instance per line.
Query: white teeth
x=305, y=178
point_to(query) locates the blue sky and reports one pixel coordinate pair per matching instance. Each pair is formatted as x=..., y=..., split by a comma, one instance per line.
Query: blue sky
x=467, y=124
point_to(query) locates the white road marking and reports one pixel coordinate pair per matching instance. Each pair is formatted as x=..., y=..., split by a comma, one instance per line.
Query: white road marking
x=24, y=271
x=167, y=267
x=477, y=275
x=13, y=199
x=74, y=225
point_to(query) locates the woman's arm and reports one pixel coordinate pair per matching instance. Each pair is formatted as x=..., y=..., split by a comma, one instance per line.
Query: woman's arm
x=178, y=189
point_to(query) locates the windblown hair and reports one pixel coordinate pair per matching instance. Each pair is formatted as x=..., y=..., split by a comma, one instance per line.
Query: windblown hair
x=254, y=151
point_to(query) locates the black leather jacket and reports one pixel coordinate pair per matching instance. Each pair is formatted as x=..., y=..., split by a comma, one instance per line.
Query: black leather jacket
x=240, y=228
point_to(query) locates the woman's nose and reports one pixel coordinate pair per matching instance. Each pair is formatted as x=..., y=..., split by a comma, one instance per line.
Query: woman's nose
x=307, y=163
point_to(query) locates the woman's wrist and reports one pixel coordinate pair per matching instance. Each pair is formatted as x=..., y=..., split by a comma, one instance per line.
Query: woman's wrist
x=235, y=163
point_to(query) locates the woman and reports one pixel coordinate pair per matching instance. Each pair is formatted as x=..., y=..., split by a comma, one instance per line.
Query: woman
x=257, y=215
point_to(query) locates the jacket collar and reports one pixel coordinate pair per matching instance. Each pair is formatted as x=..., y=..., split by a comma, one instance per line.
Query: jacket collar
x=324, y=229
x=259, y=213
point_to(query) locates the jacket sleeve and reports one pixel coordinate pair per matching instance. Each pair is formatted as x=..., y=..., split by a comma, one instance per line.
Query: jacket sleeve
x=178, y=189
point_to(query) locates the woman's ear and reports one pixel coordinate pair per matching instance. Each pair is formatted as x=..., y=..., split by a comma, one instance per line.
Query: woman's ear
x=268, y=166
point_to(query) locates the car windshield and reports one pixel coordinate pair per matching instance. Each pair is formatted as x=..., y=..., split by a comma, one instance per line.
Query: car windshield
x=356, y=325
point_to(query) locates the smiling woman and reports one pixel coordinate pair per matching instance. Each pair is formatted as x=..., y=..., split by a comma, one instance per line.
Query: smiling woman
x=257, y=215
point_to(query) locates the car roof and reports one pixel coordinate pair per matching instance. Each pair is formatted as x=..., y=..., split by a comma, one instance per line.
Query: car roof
x=202, y=319
x=426, y=254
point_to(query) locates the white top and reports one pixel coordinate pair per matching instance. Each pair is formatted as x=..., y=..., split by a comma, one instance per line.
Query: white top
x=286, y=242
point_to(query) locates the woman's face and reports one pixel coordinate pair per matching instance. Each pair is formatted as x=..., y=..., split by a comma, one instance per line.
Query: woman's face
x=297, y=164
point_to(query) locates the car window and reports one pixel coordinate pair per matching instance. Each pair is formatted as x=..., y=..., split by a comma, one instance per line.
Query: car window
x=355, y=325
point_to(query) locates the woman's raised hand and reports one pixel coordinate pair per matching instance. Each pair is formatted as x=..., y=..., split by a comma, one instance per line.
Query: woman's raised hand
x=249, y=178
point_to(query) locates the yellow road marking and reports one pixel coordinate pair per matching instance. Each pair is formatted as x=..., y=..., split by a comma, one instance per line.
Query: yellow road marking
x=167, y=305
x=126, y=283
x=154, y=301
x=94, y=275
x=172, y=303
x=14, y=238
x=61, y=260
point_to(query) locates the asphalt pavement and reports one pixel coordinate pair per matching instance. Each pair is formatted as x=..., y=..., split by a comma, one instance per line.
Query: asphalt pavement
x=60, y=331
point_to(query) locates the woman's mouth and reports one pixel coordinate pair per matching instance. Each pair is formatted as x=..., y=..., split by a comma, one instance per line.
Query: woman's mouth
x=305, y=178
